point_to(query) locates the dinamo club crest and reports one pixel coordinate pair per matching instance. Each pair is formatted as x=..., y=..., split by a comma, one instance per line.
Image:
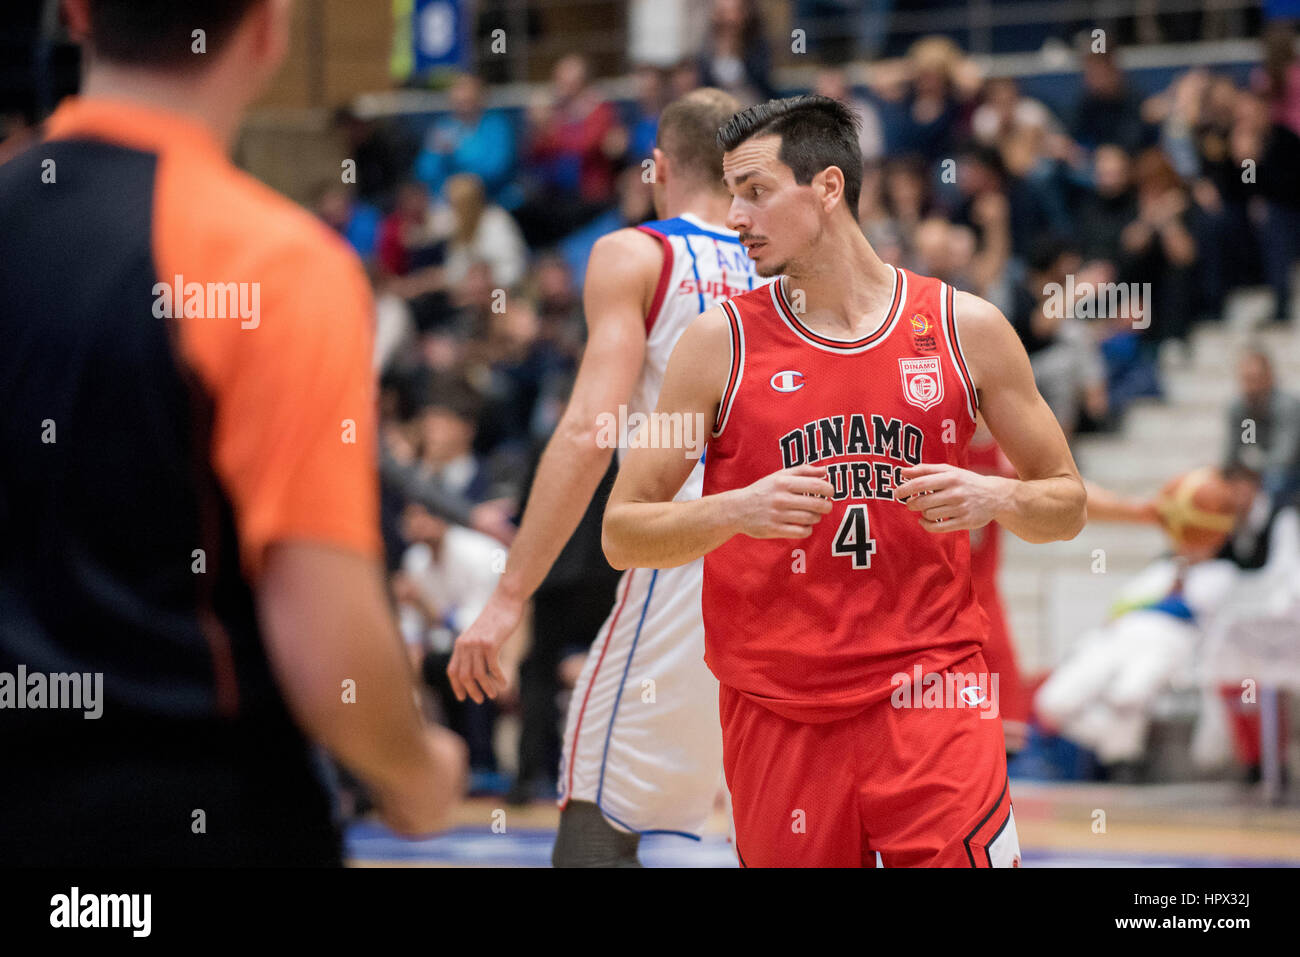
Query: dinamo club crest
x=922, y=381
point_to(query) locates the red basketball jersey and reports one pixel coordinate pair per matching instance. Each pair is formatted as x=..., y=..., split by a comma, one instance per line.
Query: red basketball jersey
x=816, y=628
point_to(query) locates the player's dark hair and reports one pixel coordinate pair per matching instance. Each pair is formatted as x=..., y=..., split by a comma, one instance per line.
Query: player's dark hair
x=159, y=33
x=688, y=129
x=816, y=132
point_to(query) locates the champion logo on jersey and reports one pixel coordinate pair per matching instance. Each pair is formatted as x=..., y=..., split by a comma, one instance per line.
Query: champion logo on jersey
x=787, y=381
x=973, y=695
x=922, y=381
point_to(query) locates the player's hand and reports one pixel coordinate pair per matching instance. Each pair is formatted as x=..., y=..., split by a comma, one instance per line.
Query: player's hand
x=785, y=504
x=475, y=668
x=951, y=499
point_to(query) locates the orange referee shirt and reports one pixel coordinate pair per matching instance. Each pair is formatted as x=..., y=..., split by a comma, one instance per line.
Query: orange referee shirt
x=185, y=378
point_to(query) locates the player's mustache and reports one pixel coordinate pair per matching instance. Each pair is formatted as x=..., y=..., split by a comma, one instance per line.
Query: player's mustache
x=748, y=237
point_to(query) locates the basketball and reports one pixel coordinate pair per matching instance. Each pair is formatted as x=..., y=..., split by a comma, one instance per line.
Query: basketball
x=1197, y=509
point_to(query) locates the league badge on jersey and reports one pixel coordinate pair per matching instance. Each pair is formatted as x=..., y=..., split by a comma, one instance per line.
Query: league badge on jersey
x=922, y=381
x=922, y=333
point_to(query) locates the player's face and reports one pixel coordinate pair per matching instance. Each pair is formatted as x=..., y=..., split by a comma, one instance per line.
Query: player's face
x=776, y=217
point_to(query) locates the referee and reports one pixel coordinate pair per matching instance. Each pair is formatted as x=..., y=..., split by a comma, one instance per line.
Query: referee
x=190, y=586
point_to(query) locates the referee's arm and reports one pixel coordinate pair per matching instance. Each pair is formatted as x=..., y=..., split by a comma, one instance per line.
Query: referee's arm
x=294, y=441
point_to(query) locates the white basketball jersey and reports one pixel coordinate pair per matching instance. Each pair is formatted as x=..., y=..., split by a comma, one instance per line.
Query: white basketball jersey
x=643, y=739
x=703, y=264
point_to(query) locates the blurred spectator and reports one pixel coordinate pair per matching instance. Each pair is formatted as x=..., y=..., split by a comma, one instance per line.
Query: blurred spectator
x=411, y=251
x=984, y=171
x=1110, y=206
x=517, y=370
x=575, y=141
x=354, y=220
x=408, y=236
x=934, y=91
x=394, y=329
x=736, y=57
x=1277, y=79
x=1271, y=152
x=1108, y=111
x=1158, y=248
x=383, y=153
x=446, y=452
x=476, y=231
x=682, y=78
x=907, y=197
x=470, y=139
x=1177, y=112
x=834, y=83
x=1225, y=238
x=446, y=576
x=559, y=306
x=1068, y=368
x=1264, y=427
x=1003, y=109
x=643, y=118
x=953, y=253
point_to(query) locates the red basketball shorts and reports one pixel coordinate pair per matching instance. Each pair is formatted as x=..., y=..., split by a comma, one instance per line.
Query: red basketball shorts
x=922, y=786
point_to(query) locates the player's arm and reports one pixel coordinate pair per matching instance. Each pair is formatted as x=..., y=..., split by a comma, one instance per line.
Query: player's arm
x=645, y=528
x=621, y=276
x=1107, y=506
x=1047, y=502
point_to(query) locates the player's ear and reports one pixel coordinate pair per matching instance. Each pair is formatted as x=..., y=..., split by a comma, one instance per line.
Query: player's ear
x=829, y=184
x=661, y=165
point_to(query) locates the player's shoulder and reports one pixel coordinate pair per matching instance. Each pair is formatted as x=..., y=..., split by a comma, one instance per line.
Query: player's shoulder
x=985, y=338
x=709, y=331
x=977, y=317
x=630, y=249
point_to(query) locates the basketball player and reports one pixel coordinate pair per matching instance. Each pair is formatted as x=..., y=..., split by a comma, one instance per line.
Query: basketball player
x=836, y=515
x=642, y=749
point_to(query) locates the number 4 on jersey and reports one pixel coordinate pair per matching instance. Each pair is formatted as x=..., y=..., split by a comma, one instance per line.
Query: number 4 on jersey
x=853, y=538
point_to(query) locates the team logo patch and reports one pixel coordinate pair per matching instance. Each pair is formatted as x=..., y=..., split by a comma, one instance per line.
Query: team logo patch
x=787, y=381
x=920, y=324
x=922, y=381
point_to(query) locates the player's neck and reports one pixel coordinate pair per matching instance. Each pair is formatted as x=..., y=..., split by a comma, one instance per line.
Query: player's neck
x=195, y=97
x=705, y=205
x=843, y=252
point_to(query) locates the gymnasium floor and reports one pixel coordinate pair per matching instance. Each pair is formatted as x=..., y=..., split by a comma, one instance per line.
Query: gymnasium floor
x=1184, y=825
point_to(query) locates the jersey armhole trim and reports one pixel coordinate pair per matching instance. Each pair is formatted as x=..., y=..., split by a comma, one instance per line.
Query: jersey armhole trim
x=948, y=320
x=737, y=371
x=665, y=274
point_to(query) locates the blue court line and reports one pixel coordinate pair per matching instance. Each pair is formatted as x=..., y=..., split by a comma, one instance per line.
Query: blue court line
x=531, y=847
